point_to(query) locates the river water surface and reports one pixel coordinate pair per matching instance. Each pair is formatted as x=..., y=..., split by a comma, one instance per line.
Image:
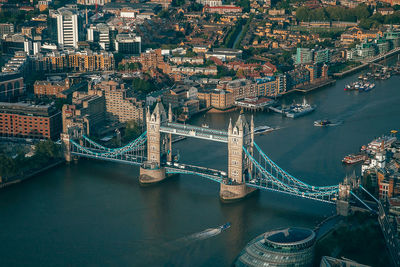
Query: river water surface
x=95, y=213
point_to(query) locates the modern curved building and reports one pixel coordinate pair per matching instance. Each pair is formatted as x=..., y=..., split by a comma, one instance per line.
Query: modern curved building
x=283, y=247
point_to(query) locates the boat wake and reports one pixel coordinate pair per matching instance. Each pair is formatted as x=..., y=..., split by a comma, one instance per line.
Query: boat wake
x=208, y=233
x=336, y=123
x=184, y=247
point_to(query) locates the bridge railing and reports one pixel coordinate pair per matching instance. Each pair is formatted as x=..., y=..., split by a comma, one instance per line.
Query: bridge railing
x=132, y=152
x=279, y=171
x=260, y=177
x=195, y=128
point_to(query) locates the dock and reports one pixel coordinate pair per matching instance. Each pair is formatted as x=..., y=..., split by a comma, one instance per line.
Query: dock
x=313, y=86
x=277, y=110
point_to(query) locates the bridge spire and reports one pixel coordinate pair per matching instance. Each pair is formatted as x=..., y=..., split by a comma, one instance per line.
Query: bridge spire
x=238, y=137
x=170, y=113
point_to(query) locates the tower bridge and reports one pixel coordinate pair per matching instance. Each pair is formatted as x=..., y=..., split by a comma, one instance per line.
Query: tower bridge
x=249, y=168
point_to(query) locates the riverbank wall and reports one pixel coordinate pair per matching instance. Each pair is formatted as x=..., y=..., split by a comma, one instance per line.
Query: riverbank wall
x=19, y=178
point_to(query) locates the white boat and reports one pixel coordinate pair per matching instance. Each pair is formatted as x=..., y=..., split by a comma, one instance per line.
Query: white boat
x=262, y=129
x=297, y=110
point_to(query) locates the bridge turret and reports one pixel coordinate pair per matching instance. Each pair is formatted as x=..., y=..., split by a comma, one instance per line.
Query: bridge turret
x=235, y=149
x=153, y=123
x=345, y=188
x=151, y=171
x=238, y=137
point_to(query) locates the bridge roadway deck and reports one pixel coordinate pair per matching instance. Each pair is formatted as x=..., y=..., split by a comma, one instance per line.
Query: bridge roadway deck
x=128, y=159
x=194, y=131
x=215, y=175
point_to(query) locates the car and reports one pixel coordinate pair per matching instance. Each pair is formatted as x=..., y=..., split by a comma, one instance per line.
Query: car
x=182, y=166
x=223, y=173
x=169, y=163
x=176, y=164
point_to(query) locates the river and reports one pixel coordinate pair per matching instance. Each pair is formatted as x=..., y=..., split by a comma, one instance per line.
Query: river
x=96, y=213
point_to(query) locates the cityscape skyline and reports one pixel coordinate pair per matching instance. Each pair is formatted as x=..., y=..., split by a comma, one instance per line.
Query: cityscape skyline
x=211, y=133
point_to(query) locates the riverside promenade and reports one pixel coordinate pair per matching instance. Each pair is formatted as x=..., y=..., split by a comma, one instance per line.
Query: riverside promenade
x=367, y=62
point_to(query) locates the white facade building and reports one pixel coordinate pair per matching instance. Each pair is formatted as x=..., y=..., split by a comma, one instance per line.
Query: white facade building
x=67, y=28
x=210, y=3
x=93, y=2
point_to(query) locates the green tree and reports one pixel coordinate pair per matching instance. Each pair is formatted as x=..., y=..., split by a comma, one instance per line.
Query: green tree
x=245, y=4
x=7, y=166
x=118, y=58
x=361, y=11
x=143, y=86
x=132, y=130
x=303, y=13
x=177, y=3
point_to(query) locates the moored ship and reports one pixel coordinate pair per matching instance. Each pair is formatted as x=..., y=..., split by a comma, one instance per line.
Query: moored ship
x=353, y=159
x=360, y=86
x=297, y=110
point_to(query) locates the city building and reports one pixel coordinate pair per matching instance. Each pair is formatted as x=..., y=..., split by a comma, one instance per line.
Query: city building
x=216, y=98
x=82, y=61
x=6, y=28
x=164, y=3
x=11, y=87
x=93, y=2
x=223, y=9
x=67, y=27
x=175, y=96
x=297, y=77
x=128, y=43
x=26, y=120
x=86, y=112
x=128, y=13
x=279, y=248
x=50, y=88
x=13, y=43
x=121, y=106
x=224, y=54
x=99, y=34
x=17, y=63
x=189, y=108
x=43, y=5
x=312, y=56
x=271, y=86
x=210, y=3
x=240, y=88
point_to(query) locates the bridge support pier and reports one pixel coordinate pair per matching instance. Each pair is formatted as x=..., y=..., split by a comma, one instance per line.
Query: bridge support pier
x=67, y=147
x=229, y=193
x=151, y=174
x=342, y=207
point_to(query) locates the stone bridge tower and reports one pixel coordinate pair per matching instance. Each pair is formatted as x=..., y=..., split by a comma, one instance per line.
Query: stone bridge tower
x=240, y=135
x=152, y=171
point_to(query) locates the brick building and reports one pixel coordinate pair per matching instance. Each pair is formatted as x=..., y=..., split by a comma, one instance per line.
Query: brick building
x=86, y=112
x=79, y=61
x=121, y=106
x=50, y=88
x=27, y=120
x=11, y=87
